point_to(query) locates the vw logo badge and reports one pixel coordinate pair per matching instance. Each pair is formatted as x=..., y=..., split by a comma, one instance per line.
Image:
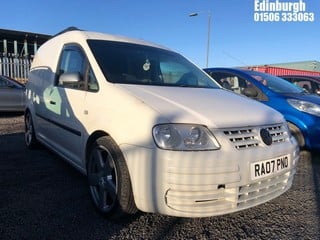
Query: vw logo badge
x=266, y=136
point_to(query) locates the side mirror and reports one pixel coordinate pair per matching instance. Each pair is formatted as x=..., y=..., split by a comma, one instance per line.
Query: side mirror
x=69, y=79
x=250, y=92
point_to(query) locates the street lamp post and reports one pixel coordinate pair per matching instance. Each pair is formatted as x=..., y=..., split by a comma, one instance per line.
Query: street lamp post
x=209, y=27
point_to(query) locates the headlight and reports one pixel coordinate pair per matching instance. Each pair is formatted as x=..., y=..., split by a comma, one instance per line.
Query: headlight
x=184, y=137
x=305, y=106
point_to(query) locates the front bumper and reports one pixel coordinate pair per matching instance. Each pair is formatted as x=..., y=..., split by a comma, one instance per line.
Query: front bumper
x=207, y=183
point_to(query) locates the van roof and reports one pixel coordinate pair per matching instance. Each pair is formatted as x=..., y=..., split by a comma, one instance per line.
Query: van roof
x=75, y=33
x=48, y=54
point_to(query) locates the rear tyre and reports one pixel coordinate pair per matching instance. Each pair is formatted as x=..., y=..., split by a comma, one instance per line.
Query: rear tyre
x=29, y=135
x=297, y=134
x=109, y=180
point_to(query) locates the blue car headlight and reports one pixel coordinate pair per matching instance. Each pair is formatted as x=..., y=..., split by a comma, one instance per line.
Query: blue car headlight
x=305, y=106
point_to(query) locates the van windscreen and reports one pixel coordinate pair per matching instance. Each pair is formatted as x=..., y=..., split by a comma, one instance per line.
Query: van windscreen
x=129, y=63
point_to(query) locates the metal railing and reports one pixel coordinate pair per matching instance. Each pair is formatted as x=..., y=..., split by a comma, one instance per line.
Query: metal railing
x=15, y=67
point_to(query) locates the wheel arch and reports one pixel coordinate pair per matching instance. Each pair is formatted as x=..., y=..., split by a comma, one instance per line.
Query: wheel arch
x=298, y=134
x=94, y=136
x=127, y=203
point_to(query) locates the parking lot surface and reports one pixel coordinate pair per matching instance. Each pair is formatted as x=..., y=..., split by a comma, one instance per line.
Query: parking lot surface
x=42, y=197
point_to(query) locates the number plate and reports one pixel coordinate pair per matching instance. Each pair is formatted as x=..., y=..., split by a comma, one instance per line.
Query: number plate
x=268, y=167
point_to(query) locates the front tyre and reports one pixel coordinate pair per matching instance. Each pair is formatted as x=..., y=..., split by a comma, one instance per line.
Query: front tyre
x=109, y=180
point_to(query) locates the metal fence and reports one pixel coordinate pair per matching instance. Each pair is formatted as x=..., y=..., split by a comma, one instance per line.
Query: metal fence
x=15, y=67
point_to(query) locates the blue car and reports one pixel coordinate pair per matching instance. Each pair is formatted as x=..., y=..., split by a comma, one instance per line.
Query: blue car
x=300, y=108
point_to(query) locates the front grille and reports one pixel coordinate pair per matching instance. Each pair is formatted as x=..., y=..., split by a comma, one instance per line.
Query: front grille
x=249, y=137
x=243, y=138
x=278, y=133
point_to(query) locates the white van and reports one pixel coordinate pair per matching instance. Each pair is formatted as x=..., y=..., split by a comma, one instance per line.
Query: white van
x=153, y=132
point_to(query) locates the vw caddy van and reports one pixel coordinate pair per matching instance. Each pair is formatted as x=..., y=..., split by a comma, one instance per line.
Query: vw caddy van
x=153, y=132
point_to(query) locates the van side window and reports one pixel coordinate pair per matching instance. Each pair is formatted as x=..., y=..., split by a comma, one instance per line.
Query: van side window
x=74, y=70
x=92, y=81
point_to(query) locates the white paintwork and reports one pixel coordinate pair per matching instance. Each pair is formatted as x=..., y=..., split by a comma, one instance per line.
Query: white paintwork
x=178, y=183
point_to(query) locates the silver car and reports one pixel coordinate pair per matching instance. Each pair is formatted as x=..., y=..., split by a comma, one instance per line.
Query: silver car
x=12, y=95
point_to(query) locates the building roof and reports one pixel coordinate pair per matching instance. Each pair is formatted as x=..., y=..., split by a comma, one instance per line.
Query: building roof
x=11, y=35
x=15, y=42
x=311, y=65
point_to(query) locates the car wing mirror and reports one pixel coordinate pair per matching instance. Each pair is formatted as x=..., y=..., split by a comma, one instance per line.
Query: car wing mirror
x=69, y=78
x=250, y=92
